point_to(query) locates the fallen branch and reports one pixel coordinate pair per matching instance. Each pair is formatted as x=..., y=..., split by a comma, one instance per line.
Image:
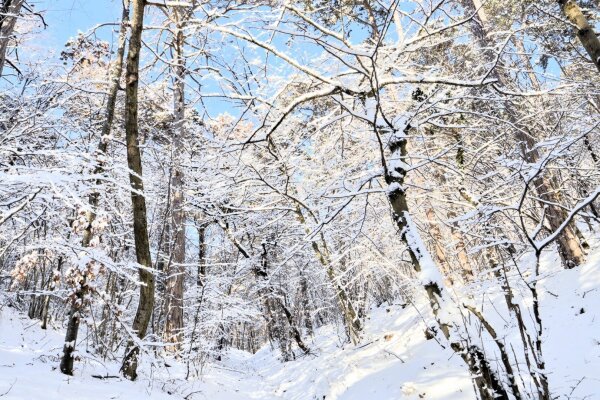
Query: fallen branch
x=105, y=376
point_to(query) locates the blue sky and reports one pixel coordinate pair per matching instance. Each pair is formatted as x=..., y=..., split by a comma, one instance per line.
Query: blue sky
x=66, y=17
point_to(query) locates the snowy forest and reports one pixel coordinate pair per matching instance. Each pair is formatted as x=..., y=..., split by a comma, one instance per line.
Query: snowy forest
x=263, y=199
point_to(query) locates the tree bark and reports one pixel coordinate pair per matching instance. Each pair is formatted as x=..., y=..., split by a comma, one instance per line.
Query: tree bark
x=583, y=29
x=175, y=281
x=66, y=363
x=138, y=201
x=9, y=13
x=570, y=250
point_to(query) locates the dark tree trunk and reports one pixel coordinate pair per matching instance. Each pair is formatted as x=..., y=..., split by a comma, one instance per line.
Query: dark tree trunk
x=138, y=201
x=66, y=363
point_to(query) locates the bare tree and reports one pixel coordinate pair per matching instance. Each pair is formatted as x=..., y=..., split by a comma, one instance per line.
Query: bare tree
x=138, y=200
x=82, y=289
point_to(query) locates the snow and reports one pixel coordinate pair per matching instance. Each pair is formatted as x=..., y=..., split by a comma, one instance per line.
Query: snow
x=429, y=271
x=394, y=358
x=394, y=355
x=393, y=361
x=573, y=336
x=29, y=367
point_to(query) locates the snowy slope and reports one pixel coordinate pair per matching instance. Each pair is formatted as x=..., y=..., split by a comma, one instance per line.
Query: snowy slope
x=571, y=312
x=394, y=361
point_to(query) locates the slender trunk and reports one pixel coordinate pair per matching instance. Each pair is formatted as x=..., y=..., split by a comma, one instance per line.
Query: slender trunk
x=570, y=250
x=32, y=297
x=202, y=251
x=484, y=378
x=174, y=289
x=9, y=13
x=200, y=290
x=438, y=247
x=66, y=363
x=583, y=29
x=138, y=201
x=106, y=311
x=53, y=280
x=544, y=393
x=306, y=305
x=349, y=314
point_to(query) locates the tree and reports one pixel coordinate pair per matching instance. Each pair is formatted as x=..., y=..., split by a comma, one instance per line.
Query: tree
x=81, y=291
x=10, y=10
x=583, y=29
x=138, y=200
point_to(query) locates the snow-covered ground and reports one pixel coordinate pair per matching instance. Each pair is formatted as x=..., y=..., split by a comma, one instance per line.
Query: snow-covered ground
x=394, y=361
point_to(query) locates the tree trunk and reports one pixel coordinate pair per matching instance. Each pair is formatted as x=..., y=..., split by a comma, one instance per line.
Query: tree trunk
x=175, y=281
x=66, y=363
x=9, y=13
x=202, y=253
x=583, y=29
x=484, y=378
x=570, y=250
x=51, y=287
x=138, y=201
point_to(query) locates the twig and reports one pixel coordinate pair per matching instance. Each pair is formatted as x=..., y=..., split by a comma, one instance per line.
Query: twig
x=105, y=376
x=395, y=355
x=9, y=389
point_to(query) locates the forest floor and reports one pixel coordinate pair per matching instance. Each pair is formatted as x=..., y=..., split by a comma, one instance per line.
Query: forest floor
x=394, y=360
